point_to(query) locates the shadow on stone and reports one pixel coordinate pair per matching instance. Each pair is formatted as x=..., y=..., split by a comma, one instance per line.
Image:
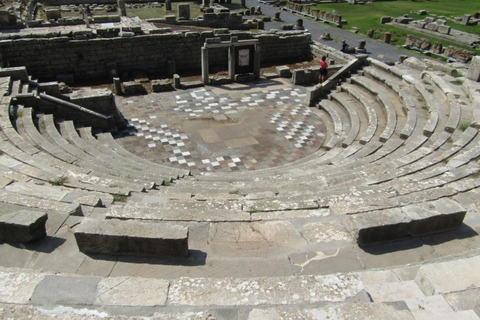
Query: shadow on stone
x=195, y=258
x=249, y=85
x=463, y=232
x=45, y=245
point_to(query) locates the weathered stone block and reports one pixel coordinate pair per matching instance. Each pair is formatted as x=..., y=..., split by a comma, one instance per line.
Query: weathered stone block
x=283, y=71
x=131, y=88
x=409, y=221
x=162, y=85
x=384, y=20
x=474, y=69
x=53, y=14
x=444, y=29
x=132, y=238
x=23, y=226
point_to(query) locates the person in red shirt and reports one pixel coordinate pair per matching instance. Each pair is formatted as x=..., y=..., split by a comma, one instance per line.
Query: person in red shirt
x=323, y=70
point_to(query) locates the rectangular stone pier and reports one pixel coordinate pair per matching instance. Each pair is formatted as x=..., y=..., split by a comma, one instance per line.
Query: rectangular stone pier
x=132, y=238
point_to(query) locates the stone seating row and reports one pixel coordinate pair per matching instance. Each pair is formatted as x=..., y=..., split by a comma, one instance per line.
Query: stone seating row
x=419, y=141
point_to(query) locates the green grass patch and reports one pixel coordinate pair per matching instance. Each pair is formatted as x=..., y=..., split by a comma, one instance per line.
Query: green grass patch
x=457, y=82
x=59, y=181
x=119, y=197
x=166, y=183
x=367, y=16
x=455, y=73
x=464, y=125
x=234, y=192
x=427, y=82
x=431, y=90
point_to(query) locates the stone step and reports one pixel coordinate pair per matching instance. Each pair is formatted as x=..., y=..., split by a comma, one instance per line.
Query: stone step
x=100, y=174
x=349, y=105
x=384, y=100
x=12, y=134
x=337, y=124
x=15, y=87
x=86, y=135
x=471, y=89
x=184, y=210
x=106, y=162
x=108, y=140
x=57, y=193
x=42, y=204
x=40, y=140
x=369, y=104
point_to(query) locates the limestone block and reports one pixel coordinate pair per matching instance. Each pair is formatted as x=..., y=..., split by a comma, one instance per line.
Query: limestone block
x=132, y=238
x=409, y=221
x=428, y=20
x=450, y=276
x=474, y=69
x=432, y=26
x=444, y=29
x=131, y=88
x=53, y=14
x=23, y=226
x=283, y=71
x=162, y=85
x=299, y=77
x=415, y=63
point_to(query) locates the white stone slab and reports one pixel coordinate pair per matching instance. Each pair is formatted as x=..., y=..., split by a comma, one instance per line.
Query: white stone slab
x=431, y=304
x=132, y=291
x=18, y=287
x=394, y=291
x=318, y=232
x=364, y=311
x=460, y=315
x=257, y=291
x=450, y=276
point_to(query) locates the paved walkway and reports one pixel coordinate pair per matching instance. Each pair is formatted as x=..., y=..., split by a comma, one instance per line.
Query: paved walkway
x=376, y=49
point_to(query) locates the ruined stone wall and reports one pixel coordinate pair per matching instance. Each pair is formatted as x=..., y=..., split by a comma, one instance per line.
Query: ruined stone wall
x=45, y=58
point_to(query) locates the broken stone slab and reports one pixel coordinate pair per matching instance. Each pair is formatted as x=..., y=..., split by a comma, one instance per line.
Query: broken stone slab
x=132, y=238
x=23, y=226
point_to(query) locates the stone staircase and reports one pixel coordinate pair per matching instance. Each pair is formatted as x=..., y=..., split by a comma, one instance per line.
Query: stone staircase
x=295, y=241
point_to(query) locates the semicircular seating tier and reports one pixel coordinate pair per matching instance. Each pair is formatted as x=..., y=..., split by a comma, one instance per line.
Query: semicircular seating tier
x=314, y=236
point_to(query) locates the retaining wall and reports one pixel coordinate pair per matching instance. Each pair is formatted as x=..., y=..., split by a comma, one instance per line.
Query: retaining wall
x=86, y=59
